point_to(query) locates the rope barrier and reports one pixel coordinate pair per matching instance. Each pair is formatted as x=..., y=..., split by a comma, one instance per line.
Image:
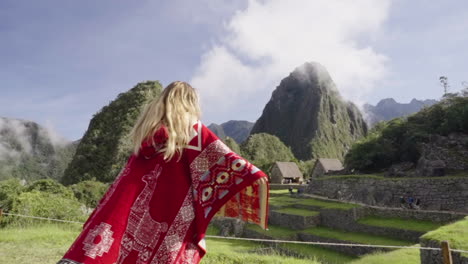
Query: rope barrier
x=270, y=240
x=44, y=218
x=319, y=243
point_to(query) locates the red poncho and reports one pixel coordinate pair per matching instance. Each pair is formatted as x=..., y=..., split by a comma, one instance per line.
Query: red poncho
x=158, y=211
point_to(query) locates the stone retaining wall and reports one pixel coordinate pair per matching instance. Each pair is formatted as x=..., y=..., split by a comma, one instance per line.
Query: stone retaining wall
x=296, y=222
x=276, y=186
x=435, y=256
x=449, y=194
x=228, y=226
x=433, y=216
x=346, y=220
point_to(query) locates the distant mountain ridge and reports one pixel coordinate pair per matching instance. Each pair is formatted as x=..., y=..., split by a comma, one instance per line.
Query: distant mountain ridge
x=387, y=109
x=30, y=151
x=307, y=113
x=236, y=129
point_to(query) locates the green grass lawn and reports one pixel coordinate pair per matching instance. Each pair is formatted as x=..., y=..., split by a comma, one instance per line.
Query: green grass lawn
x=326, y=204
x=47, y=243
x=297, y=211
x=399, y=256
x=399, y=223
x=279, y=192
x=456, y=233
x=274, y=231
x=362, y=238
x=240, y=252
x=324, y=255
x=284, y=199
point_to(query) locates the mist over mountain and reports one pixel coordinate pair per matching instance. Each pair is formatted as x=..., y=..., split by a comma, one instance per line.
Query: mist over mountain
x=30, y=151
x=308, y=114
x=387, y=109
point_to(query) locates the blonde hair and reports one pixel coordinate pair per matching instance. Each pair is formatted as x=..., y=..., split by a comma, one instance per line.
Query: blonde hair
x=177, y=108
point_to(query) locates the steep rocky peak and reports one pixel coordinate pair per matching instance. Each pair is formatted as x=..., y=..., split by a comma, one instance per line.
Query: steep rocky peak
x=305, y=108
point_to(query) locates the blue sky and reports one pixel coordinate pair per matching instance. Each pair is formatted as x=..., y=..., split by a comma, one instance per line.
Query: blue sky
x=61, y=61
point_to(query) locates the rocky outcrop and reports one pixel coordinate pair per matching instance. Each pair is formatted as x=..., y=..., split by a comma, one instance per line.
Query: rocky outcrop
x=105, y=146
x=387, y=109
x=307, y=113
x=440, y=156
x=443, y=154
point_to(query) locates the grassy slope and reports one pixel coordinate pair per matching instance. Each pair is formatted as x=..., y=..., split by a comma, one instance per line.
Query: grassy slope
x=399, y=256
x=355, y=237
x=47, y=243
x=399, y=223
x=456, y=234
x=41, y=244
x=297, y=211
x=327, y=204
x=274, y=231
x=322, y=254
x=239, y=252
x=282, y=198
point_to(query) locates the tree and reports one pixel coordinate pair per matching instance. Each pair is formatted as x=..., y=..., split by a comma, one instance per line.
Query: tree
x=444, y=83
x=264, y=149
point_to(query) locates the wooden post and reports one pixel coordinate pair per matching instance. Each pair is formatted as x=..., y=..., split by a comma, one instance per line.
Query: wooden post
x=1, y=214
x=446, y=255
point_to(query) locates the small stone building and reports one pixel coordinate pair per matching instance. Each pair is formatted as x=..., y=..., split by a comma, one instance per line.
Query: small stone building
x=326, y=166
x=284, y=172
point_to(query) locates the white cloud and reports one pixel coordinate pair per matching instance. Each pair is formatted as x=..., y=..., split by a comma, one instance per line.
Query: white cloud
x=265, y=42
x=14, y=131
x=55, y=138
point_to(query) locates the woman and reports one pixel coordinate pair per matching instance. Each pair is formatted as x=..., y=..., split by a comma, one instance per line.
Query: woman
x=178, y=177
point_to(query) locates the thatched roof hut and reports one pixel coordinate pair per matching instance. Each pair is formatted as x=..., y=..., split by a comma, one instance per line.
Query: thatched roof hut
x=285, y=171
x=325, y=166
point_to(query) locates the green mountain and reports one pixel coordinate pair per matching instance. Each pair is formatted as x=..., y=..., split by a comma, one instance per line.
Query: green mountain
x=29, y=151
x=218, y=130
x=387, y=109
x=105, y=146
x=431, y=142
x=308, y=114
x=236, y=129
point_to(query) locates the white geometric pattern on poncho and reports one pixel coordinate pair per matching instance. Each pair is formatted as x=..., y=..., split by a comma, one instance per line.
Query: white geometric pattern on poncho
x=103, y=231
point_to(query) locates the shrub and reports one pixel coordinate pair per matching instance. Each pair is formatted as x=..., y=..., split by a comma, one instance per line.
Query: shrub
x=89, y=192
x=45, y=204
x=9, y=190
x=263, y=150
x=232, y=144
x=50, y=186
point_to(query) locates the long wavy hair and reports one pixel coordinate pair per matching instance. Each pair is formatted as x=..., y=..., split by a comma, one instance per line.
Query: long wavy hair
x=177, y=108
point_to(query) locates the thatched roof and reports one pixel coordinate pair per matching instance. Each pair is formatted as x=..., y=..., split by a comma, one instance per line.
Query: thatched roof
x=289, y=169
x=331, y=164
